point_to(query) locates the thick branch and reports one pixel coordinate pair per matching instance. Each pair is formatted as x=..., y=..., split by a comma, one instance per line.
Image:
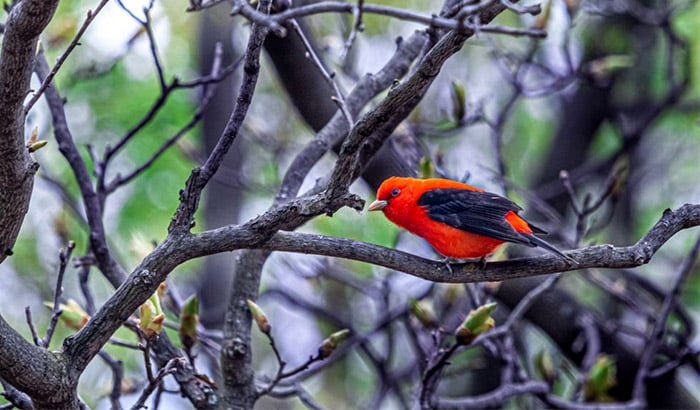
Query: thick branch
x=174, y=251
x=236, y=352
x=34, y=371
x=26, y=21
x=600, y=256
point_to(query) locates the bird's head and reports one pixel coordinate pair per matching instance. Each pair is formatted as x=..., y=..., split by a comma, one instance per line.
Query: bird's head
x=390, y=192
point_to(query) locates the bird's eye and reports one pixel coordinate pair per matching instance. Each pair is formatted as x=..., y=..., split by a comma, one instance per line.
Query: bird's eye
x=395, y=192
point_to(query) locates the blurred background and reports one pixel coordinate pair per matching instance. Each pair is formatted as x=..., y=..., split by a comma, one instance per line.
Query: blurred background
x=611, y=95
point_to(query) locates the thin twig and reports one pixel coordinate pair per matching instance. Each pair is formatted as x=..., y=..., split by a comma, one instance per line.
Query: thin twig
x=117, y=377
x=209, y=90
x=495, y=398
x=93, y=205
x=147, y=360
x=110, y=151
x=148, y=27
x=30, y=323
x=339, y=99
x=183, y=219
x=16, y=398
x=357, y=27
x=529, y=299
x=62, y=58
x=280, y=368
x=64, y=257
x=591, y=334
x=533, y=10
x=84, y=277
x=431, y=375
x=169, y=368
x=157, y=396
x=497, y=125
x=130, y=13
x=589, y=206
x=128, y=345
x=401, y=14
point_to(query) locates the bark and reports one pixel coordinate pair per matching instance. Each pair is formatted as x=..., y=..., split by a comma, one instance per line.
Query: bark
x=26, y=21
x=237, y=357
x=35, y=371
x=28, y=368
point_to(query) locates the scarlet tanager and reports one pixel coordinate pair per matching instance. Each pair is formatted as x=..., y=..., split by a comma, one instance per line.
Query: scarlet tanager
x=459, y=220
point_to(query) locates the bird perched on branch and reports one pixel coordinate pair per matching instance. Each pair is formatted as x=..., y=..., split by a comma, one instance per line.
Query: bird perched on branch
x=459, y=220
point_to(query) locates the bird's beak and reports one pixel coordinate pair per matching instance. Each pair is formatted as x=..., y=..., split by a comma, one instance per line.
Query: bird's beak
x=377, y=205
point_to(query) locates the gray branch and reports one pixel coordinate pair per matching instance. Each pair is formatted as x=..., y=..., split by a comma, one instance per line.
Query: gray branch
x=25, y=22
x=33, y=370
x=599, y=256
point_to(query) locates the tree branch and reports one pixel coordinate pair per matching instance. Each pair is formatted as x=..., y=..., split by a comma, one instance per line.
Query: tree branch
x=600, y=256
x=25, y=22
x=63, y=57
x=174, y=251
x=15, y=397
x=494, y=398
x=34, y=371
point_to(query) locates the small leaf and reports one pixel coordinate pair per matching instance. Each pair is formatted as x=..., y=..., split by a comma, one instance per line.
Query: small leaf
x=601, y=378
x=33, y=136
x=72, y=314
x=151, y=320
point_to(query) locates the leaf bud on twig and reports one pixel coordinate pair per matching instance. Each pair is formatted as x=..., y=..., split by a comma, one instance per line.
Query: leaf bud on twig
x=259, y=317
x=423, y=312
x=544, y=365
x=459, y=103
x=189, y=319
x=329, y=345
x=152, y=317
x=477, y=322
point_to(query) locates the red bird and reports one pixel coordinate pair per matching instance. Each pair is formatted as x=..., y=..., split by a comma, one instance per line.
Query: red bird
x=460, y=221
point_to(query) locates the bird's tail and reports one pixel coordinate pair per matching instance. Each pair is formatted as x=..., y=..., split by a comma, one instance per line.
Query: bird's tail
x=535, y=241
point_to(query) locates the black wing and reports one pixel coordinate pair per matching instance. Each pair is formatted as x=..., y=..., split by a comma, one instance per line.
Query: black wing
x=478, y=212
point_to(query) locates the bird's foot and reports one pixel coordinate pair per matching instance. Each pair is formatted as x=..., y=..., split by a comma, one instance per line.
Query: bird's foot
x=448, y=261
